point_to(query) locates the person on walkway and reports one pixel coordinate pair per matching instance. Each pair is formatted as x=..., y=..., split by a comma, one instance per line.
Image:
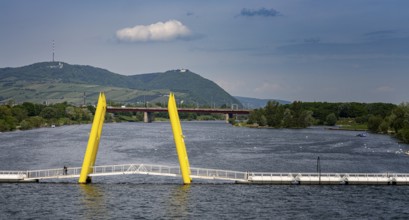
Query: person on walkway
x=65, y=170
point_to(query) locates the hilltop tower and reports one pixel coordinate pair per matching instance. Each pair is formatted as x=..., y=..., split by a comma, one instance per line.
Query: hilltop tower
x=53, y=50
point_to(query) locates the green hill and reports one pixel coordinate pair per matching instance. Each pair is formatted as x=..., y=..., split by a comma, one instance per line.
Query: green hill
x=55, y=82
x=57, y=72
x=201, y=91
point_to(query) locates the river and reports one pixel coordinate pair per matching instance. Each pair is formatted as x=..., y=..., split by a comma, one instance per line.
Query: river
x=209, y=145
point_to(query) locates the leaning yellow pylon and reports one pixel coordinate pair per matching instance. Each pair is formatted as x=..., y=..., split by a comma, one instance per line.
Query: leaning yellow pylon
x=179, y=140
x=93, y=141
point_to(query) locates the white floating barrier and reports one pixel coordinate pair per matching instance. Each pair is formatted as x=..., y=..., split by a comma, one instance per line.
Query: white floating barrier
x=14, y=178
x=328, y=179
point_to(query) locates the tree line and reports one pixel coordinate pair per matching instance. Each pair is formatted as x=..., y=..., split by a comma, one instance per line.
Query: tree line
x=383, y=118
x=282, y=116
x=32, y=115
x=375, y=117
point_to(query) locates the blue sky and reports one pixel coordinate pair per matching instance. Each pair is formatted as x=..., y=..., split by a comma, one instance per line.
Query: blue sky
x=308, y=50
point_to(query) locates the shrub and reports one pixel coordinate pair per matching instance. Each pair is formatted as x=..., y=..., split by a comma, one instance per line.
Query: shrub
x=25, y=125
x=373, y=123
x=403, y=134
x=331, y=119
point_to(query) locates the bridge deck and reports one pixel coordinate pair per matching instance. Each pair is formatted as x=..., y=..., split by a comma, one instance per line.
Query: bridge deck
x=211, y=174
x=196, y=110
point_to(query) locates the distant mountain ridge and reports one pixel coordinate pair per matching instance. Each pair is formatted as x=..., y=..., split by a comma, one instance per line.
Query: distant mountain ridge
x=64, y=73
x=59, y=81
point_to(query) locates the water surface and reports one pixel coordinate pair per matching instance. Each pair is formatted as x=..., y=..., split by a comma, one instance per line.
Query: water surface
x=209, y=145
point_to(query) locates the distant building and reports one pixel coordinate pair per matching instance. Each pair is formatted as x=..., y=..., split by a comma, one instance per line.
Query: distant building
x=59, y=66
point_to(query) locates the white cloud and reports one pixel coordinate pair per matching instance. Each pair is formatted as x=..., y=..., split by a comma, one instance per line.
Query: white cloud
x=160, y=31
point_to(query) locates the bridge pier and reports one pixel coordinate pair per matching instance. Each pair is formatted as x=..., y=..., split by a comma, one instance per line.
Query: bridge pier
x=147, y=117
x=228, y=116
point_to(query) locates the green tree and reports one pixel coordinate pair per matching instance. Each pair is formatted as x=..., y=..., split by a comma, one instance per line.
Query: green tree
x=305, y=119
x=32, y=108
x=384, y=126
x=4, y=126
x=287, y=118
x=49, y=113
x=331, y=119
x=403, y=134
x=19, y=113
x=274, y=114
x=301, y=118
x=5, y=111
x=60, y=109
x=256, y=117
x=70, y=113
x=36, y=121
x=344, y=110
x=374, y=122
x=400, y=117
x=362, y=119
x=91, y=109
x=381, y=109
x=262, y=121
x=8, y=122
x=26, y=125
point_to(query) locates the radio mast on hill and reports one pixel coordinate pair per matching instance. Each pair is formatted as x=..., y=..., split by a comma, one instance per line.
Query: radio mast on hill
x=53, y=50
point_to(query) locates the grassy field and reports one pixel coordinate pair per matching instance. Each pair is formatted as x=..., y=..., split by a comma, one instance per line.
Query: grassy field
x=350, y=124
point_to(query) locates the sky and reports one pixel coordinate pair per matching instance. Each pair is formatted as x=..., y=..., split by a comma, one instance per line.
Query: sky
x=305, y=50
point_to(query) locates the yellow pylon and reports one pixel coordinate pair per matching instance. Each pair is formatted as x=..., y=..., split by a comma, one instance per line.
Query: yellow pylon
x=179, y=140
x=93, y=141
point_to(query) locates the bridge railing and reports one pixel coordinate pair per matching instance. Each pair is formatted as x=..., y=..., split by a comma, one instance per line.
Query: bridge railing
x=72, y=172
x=262, y=174
x=218, y=174
x=12, y=172
x=136, y=168
x=99, y=170
x=168, y=170
x=54, y=173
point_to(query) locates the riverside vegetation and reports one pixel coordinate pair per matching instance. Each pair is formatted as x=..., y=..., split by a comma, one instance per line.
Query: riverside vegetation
x=382, y=118
x=31, y=115
x=375, y=117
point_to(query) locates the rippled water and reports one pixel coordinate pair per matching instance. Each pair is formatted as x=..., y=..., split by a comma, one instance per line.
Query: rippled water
x=209, y=145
